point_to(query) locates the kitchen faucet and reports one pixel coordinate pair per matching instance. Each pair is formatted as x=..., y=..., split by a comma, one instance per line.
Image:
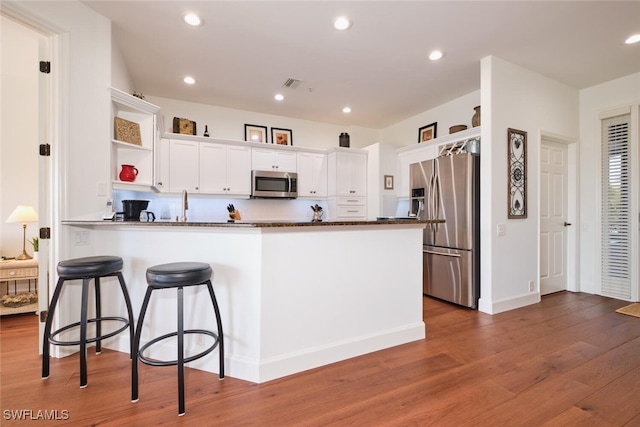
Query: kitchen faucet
x=185, y=206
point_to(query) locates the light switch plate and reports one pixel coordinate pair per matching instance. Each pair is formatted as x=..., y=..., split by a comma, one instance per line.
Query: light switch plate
x=501, y=230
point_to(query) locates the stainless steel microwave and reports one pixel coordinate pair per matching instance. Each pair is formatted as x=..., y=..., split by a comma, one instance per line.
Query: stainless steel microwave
x=271, y=184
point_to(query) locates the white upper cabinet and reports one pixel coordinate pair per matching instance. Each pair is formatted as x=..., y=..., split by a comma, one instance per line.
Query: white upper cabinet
x=265, y=159
x=225, y=169
x=134, y=132
x=184, y=168
x=312, y=175
x=209, y=168
x=347, y=174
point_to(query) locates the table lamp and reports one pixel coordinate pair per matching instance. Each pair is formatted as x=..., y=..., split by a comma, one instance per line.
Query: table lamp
x=23, y=214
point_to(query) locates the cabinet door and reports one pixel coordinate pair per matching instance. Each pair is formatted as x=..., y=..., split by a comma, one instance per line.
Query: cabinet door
x=286, y=161
x=351, y=174
x=265, y=159
x=161, y=169
x=358, y=174
x=183, y=166
x=238, y=170
x=312, y=175
x=213, y=168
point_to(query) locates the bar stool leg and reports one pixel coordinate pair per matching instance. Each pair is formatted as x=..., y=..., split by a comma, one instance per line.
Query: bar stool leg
x=83, y=333
x=136, y=346
x=181, y=408
x=47, y=329
x=216, y=310
x=98, y=315
x=127, y=301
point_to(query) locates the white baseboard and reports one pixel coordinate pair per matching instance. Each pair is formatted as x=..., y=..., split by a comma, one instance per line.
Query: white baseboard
x=506, y=304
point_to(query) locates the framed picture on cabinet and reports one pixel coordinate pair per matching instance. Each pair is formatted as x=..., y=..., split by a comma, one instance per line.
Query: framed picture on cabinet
x=428, y=132
x=517, y=164
x=281, y=136
x=255, y=133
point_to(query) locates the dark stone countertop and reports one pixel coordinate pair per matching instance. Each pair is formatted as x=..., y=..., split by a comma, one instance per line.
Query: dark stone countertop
x=252, y=223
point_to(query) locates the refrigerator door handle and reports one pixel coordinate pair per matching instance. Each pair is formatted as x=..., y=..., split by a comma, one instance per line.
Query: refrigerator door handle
x=426, y=251
x=436, y=200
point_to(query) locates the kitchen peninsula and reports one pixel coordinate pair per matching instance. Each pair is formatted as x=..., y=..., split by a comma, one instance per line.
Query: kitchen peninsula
x=293, y=295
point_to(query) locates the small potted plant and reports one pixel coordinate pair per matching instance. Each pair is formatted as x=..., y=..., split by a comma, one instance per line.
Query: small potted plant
x=36, y=246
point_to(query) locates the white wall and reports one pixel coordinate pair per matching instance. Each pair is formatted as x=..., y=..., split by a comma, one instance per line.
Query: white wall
x=594, y=100
x=456, y=112
x=228, y=123
x=513, y=97
x=19, y=131
x=85, y=73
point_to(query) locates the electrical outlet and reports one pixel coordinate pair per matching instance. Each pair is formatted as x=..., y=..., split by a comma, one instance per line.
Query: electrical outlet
x=530, y=285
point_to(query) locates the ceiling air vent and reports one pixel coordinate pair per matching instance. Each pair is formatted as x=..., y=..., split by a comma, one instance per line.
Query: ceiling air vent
x=291, y=83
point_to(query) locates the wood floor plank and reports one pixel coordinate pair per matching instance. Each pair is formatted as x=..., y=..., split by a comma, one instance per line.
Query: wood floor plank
x=569, y=360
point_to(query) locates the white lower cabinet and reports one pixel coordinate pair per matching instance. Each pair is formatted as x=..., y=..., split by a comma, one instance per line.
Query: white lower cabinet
x=312, y=175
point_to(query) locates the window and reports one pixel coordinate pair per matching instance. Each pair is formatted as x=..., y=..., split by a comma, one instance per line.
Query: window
x=616, y=207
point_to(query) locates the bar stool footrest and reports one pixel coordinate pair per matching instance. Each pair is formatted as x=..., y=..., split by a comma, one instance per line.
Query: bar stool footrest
x=124, y=327
x=154, y=362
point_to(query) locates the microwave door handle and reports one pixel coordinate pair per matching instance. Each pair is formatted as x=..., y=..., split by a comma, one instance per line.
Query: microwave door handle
x=288, y=182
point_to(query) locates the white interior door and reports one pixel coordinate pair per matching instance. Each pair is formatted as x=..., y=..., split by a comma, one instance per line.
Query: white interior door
x=553, y=216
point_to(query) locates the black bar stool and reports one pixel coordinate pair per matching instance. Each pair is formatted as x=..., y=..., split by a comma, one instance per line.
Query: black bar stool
x=88, y=268
x=176, y=275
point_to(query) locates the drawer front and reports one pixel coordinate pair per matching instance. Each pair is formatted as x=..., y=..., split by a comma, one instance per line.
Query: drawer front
x=352, y=212
x=351, y=201
x=18, y=273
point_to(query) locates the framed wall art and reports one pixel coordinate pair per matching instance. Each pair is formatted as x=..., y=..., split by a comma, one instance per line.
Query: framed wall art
x=255, y=133
x=281, y=136
x=428, y=132
x=388, y=182
x=517, y=163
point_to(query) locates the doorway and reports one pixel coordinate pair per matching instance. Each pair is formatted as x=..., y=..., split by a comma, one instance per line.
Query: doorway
x=556, y=220
x=27, y=107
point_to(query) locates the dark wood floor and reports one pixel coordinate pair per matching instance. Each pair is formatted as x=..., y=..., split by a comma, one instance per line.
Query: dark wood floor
x=568, y=361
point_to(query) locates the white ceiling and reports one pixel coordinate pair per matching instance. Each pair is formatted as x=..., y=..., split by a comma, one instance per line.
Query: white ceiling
x=247, y=49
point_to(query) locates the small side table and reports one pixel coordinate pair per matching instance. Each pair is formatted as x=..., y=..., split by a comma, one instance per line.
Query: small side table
x=15, y=271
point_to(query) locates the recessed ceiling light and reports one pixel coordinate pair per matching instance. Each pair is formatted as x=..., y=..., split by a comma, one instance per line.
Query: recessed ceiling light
x=633, y=39
x=435, y=55
x=192, y=19
x=189, y=80
x=278, y=97
x=346, y=110
x=342, y=23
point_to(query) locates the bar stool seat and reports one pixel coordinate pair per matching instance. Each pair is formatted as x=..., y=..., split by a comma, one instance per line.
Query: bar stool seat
x=177, y=275
x=86, y=269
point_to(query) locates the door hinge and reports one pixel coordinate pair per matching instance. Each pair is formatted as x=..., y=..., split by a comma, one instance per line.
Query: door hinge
x=45, y=67
x=45, y=233
x=43, y=316
x=45, y=150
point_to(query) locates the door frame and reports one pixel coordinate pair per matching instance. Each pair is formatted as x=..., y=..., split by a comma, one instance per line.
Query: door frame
x=53, y=130
x=572, y=254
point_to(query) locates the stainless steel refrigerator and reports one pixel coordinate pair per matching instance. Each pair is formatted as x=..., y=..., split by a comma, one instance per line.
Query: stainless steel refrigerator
x=448, y=188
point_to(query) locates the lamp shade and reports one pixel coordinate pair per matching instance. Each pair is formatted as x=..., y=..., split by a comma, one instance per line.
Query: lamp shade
x=23, y=214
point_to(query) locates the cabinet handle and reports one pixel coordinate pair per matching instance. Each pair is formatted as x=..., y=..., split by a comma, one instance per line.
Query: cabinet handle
x=160, y=183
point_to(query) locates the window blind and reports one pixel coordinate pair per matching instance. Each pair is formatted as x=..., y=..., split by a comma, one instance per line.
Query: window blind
x=616, y=208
